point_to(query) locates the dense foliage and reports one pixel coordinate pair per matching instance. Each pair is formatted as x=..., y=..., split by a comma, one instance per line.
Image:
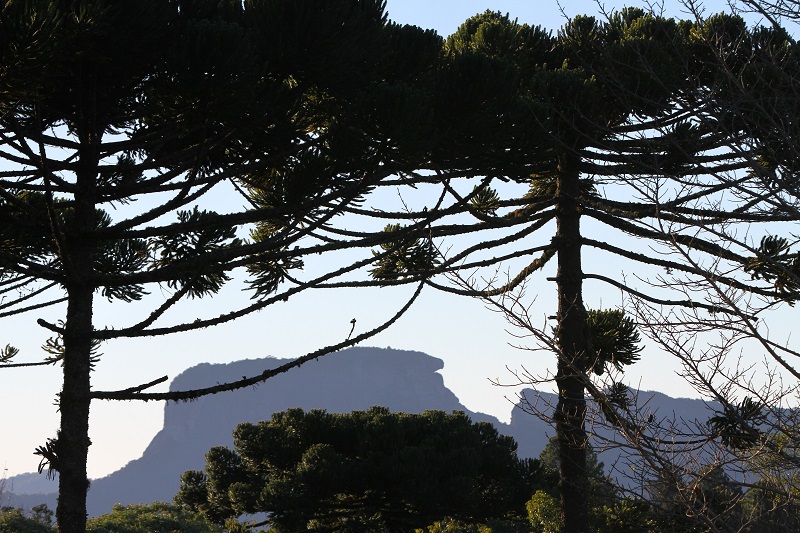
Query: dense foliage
x=156, y=517
x=364, y=471
x=15, y=521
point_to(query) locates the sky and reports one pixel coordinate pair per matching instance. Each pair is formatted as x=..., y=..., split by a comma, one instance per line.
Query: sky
x=474, y=342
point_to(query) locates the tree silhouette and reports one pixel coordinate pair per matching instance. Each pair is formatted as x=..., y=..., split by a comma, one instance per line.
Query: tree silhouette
x=121, y=127
x=639, y=155
x=364, y=471
x=303, y=109
x=737, y=359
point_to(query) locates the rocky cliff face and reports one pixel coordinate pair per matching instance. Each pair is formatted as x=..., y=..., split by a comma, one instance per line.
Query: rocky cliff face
x=353, y=379
x=346, y=381
x=350, y=380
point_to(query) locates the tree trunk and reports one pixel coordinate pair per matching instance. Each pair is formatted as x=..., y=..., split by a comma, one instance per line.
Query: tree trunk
x=78, y=256
x=573, y=344
x=73, y=439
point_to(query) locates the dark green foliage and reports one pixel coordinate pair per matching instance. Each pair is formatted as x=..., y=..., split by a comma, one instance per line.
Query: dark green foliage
x=609, y=511
x=624, y=516
x=42, y=513
x=777, y=264
x=496, y=35
x=739, y=427
x=485, y=200
x=182, y=252
x=267, y=274
x=544, y=187
x=49, y=457
x=614, y=342
x=614, y=339
x=8, y=353
x=685, y=503
x=26, y=230
x=123, y=256
x=364, y=471
x=772, y=508
x=601, y=486
x=452, y=525
x=717, y=497
x=633, y=49
x=156, y=517
x=24, y=224
x=478, y=95
x=409, y=256
x=15, y=521
x=618, y=394
x=697, y=502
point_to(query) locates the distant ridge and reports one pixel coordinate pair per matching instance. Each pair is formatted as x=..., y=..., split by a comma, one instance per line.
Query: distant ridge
x=353, y=379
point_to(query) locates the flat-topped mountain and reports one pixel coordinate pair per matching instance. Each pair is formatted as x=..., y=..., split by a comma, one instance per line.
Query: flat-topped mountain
x=353, y=379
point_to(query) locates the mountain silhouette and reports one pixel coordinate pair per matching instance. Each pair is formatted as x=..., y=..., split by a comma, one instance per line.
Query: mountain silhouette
x=353, y=379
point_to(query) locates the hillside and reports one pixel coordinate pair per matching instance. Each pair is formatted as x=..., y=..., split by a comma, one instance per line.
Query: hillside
x=353, y=379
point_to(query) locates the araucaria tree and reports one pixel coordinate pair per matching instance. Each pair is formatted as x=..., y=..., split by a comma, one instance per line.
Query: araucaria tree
x=302, y=108
x=150, y=110
x=747, y=364
x=637, y=152
x=362, y=471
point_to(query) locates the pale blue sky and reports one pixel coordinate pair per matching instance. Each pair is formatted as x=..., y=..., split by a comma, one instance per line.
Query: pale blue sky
x=472, y=341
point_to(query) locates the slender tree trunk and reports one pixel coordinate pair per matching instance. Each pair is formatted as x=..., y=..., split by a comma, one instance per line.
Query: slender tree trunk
x=73, y=439
x=78, y=256
x=573, y=342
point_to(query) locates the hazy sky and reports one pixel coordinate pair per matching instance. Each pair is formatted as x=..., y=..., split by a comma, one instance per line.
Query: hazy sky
x=471, y=340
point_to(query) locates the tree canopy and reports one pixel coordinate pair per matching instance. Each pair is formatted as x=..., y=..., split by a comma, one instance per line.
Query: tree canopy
x=640, y=149
x=123, y=129
x=363, y=471
x=156, y=517
x=123, y=126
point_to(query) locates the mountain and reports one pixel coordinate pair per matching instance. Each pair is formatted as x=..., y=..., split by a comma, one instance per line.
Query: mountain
x=353, y=379
x=31, y=483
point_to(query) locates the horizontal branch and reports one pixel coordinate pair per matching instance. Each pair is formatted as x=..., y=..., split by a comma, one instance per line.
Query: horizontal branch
x=32, y=307
x=680, y=267
x=533, y=266
x=21, y=365
x=685, y=240
x=255, y=380
x=678, y=303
